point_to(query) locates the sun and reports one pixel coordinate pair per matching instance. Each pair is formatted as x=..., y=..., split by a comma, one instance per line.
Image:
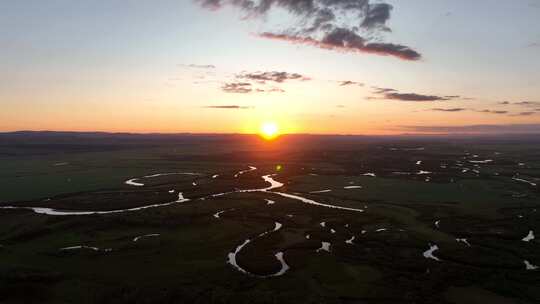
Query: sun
x=269, y=130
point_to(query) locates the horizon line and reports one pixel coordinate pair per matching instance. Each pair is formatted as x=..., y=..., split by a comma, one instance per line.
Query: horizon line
x=281, y=135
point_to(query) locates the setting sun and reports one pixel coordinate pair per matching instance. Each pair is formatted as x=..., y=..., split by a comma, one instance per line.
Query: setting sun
x=269, y=130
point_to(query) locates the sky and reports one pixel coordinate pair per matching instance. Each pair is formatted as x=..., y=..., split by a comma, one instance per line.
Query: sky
x=311, y=66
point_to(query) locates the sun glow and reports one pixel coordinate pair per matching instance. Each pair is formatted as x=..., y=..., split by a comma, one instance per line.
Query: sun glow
x=269, y=130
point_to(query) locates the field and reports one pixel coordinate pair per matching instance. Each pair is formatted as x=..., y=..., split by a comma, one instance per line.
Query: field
x=119, y=218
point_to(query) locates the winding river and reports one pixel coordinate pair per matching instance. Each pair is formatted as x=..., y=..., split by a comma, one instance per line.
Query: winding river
x=268, y=178
x=231, y=257
x=50, y=211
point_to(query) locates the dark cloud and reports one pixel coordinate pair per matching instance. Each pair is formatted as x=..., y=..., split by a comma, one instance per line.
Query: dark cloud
x=410, y=97
x=347, y=41
x=391, y=49
x=504, y=103
x=476, y=129
x=324, y=16
x=338, y=25
x=449, y=110
x=237, y=87
x=229, y=107
x=349, y=82
x=377, y=15
x=392, y=94
x=413, y=97
x=263, y=77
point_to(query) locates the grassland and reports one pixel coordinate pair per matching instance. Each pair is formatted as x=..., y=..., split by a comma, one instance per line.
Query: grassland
x=418, y=192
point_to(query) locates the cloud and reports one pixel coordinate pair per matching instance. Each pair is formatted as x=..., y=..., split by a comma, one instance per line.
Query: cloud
x=229, y=107
x=279, y=77
x=521, y=103
x=488, y=111
x=449, y=110
x=528, y=113
x=492, y=111
x=379, y=90
x=341, y=25
x=271, y=90
x=377, y=15
x=347, y=41
x=199, y=66
x=393, y=94
x=528, y=103
x=476, y=129
x=349, y=82
x=410, y=97
x=464, y=109
x=237, y=87
x=247, y=82
x=413, y=97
